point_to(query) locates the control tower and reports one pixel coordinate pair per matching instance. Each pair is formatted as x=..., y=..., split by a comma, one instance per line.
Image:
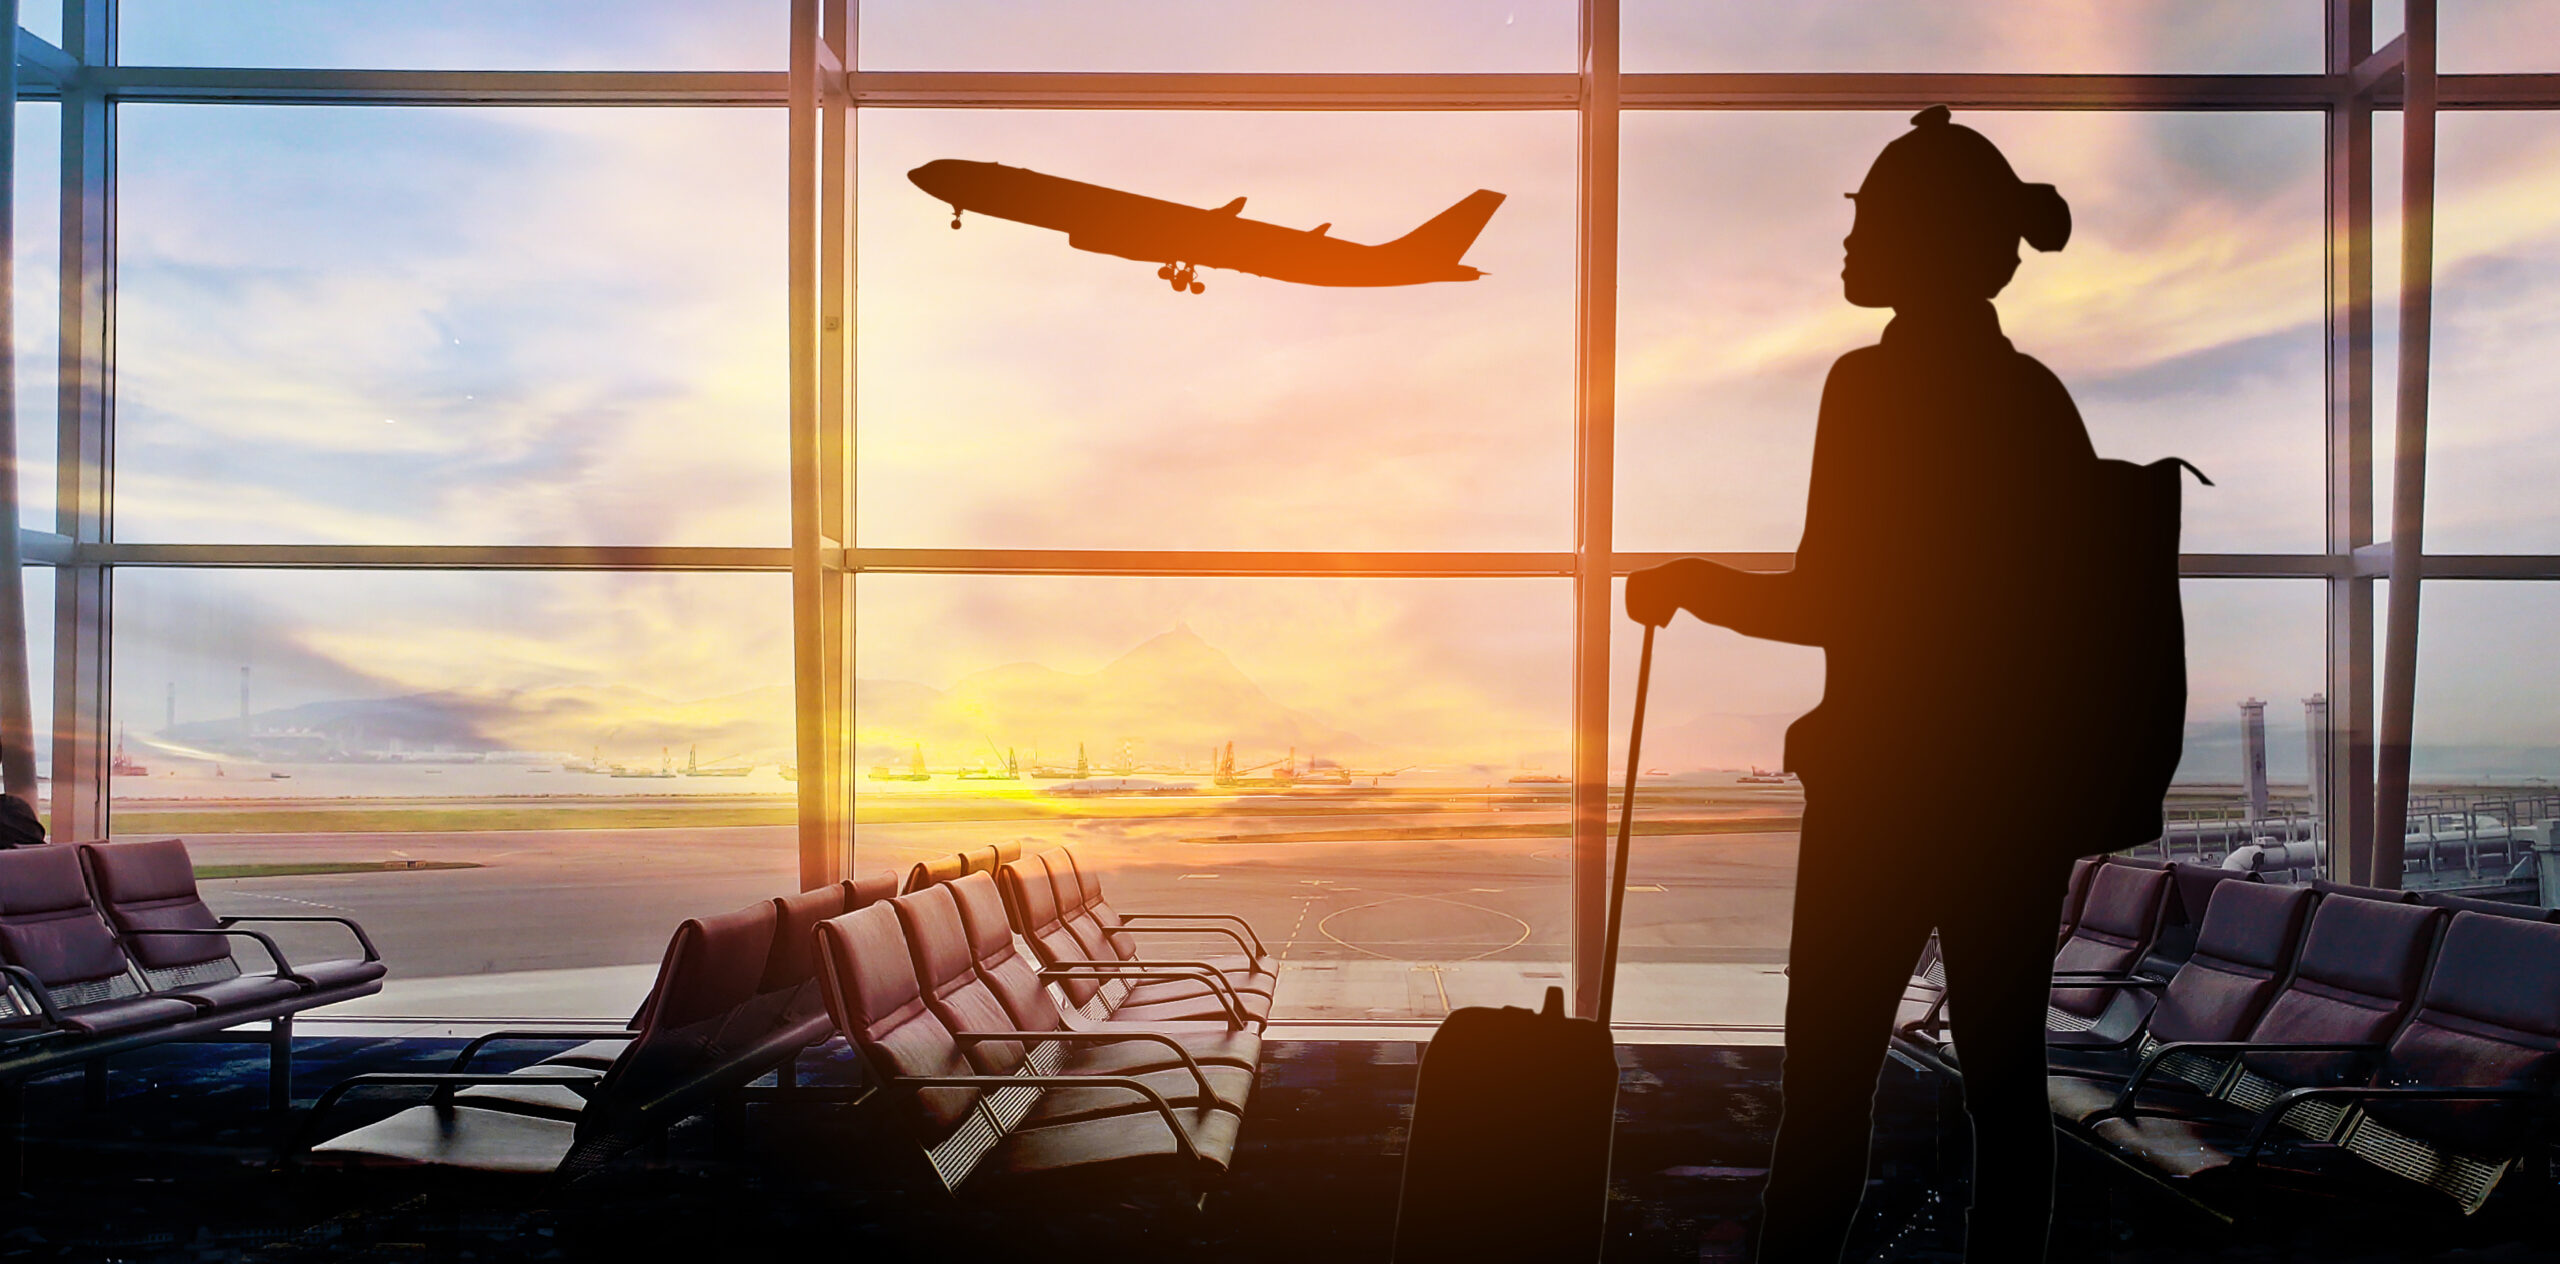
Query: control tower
x=2253, y=758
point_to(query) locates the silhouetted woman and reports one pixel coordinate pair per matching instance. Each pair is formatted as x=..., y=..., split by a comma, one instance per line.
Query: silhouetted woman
x=1923, y=575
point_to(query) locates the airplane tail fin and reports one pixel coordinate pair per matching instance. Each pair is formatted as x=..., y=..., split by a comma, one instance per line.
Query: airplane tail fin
x=1446, y=236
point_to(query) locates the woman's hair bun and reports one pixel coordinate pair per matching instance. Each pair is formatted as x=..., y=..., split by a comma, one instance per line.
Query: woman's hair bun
x=2044, y=219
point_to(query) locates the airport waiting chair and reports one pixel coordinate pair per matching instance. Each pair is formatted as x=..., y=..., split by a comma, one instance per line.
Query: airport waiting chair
x=938, y=944
x=2119, y=923
x=2242, y=955
x=675, y=1061
x=2127, y=1008
x=2355, y=978
x=1251, y=967
x=969, y=1127
x=1100, y=987
x=939, y=869
x=782, y=1017
x=1031, y=1003
x=107, y=947
x=598, y=1053
x=2394, y=895
x=2461, y=1091
x=1077, y=911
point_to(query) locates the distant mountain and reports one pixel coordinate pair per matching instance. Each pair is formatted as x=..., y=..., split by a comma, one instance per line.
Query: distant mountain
x=1171, y=698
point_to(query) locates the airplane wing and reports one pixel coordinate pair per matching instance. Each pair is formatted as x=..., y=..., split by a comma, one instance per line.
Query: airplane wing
x=1232, y=208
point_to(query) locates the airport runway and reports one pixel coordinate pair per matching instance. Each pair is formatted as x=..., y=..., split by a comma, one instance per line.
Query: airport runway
x=568, y=899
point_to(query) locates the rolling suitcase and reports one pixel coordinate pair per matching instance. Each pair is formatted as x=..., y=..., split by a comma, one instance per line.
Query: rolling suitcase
x=1514, y=1110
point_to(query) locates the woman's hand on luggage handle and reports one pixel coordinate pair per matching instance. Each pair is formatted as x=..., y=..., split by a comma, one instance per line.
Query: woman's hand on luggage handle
x=1657, y=593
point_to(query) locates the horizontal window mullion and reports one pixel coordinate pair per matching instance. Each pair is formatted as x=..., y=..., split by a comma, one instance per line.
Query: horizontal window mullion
x=250, y=86
x=1209, y=563
x=547, y=557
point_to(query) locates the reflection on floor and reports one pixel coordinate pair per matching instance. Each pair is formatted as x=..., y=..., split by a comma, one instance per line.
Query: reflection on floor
x=177, y=1166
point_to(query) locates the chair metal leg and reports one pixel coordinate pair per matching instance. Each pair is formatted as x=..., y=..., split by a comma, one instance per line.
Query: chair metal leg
x=93, y=1084
x=280, y=1064
x=787, y=1076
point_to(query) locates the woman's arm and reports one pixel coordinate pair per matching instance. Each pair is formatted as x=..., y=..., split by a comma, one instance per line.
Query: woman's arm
x=1753, y=603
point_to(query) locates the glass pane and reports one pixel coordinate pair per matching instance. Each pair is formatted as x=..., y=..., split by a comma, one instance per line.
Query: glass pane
x=488, y=326
x=43, y=19
x=502, y=775
x=1711, y=880
x=2497, y=36
x=36, y=307
x=1017, y=392
x=2485, y=752
x=1712, y=883
x=2076, y=37
x=2185, y=314
x=2493, y=444
x=2487, y=713
x=39, y=613
x=458, y=34
x=1390, y=828
x=1261, y=35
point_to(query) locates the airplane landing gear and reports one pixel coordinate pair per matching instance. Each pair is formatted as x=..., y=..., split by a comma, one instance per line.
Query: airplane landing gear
x=1165, y=273
x=1182, y=278
x=1197, y=287
x=955, y=217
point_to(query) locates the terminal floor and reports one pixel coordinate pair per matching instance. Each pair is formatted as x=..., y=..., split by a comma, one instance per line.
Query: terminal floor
x=179, y=1166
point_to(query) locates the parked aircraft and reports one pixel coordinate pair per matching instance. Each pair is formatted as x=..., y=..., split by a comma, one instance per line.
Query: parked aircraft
x=1184, y=239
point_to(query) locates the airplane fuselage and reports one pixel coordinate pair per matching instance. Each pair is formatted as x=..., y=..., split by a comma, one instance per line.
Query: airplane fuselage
x=1151, y=230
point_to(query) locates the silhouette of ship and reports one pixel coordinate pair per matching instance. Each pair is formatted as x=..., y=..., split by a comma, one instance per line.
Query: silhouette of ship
x=914, y=771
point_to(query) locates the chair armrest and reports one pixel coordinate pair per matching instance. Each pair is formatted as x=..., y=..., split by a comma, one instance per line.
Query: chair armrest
x=1207, y=1093
x=2291, y=1098
x=1164, y=1109
x=444, y=1082
x=1183, y=930
x=284, y=969
x=485, y=1039
x=363, y=940
x=1199, y=970
x=2142, y=1072
x=2100, y=983
x=34, y=987
x=1258, y=949
x=1236, y=1019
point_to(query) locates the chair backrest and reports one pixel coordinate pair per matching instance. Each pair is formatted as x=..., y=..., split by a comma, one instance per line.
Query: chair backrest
x=2489, y=1018
x=2387, y=896
x=938, y=869
x=938, y=943
x=791, y=968
x=2452, y=903
x=2355, y=977
x=865, y=889
x=999, y=963
x=1089, y=879
x=1034, y=906
x=2191, y=888
x=1077, y=912
x=872, y=991
x=2074, y=895
x=710, y=973
x=2242, y=953
x=152, y=886
x=50, y=927
x=980, y=860
x=2117, y=925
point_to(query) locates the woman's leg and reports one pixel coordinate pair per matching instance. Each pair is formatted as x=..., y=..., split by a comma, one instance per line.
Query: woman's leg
x=1998, y=942
x=1858, y=929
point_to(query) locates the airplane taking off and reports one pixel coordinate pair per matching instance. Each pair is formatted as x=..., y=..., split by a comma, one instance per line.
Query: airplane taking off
x=1184, y=239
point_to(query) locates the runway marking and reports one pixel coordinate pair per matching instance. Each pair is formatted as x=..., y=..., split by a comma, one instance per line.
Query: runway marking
x=261, y=895
x=1440, y=980
x=1442, y=898
x=1205, y=877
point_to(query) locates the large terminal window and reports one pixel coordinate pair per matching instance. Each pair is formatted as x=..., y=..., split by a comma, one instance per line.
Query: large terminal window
x=480, y=459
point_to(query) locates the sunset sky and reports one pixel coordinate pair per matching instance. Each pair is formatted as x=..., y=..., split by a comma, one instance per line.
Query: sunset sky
x=356, y=325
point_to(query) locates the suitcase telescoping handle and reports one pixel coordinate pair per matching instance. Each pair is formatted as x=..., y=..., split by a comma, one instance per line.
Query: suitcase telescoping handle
x=1626, y=826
